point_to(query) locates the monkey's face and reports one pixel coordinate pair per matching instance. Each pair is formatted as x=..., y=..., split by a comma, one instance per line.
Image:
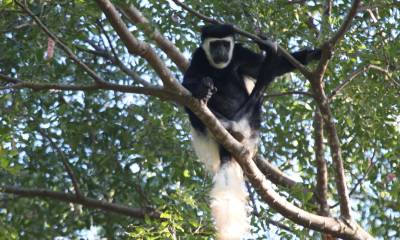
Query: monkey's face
x=219, y=51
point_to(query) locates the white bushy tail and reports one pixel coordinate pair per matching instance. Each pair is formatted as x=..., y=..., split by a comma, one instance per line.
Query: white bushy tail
x=229, y=201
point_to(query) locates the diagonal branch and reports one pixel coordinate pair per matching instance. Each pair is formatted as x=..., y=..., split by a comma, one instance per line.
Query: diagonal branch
x=136, y=17
x=115, y=59
x=360, y=180
x=257, y=213
x=328, y=46
x=346, y=23
x=85, y=201
x=355, y=74
x=333, y=226
x=138, y=47
x=64, y=47
x=274, y=174
x=65, y=162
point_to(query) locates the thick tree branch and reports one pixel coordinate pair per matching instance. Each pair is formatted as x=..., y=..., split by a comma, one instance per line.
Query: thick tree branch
x=85, y=201
x=333, y=226
x=64, y=47
x=152, y=91
x=254, y=37
x=323, y=105
x=136, y=17
x=274, y=174
x=322, y=171
x=335, y=149
x=321, y=190
x=136, y=46
x=257, y=213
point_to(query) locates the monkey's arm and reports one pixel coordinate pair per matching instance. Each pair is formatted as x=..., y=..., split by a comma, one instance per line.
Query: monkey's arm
x=195, y=80
x=249, y=62
x=304, y=56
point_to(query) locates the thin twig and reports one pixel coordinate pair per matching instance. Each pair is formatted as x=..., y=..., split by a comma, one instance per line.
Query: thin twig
x=355, y=74
x=64, y=47
x=360, y=180
x=289, y=93
x=257, y=213
x=65, y=162
x=115, y=59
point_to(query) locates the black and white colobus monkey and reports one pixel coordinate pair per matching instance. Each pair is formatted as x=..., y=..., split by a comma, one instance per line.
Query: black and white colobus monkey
x=231, y=79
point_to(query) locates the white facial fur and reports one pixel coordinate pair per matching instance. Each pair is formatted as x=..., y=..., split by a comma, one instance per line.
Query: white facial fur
x=206, y=48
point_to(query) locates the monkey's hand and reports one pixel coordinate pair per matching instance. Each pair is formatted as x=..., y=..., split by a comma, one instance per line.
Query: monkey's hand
x=205, y=90
x=267, y=45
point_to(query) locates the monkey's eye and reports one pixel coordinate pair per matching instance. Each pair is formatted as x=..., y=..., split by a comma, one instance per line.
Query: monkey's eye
x=220, y=43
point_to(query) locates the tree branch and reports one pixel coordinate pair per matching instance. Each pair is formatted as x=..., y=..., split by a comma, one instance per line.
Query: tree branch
x=355, y=74
x=85, y=201
x=138, y=47
x=323, y=105
x=64, y=47
x=308, y=94
x=327, y=46
x=322, y=171
x=257, y=213
x=274, y=174
x=65, y=162
x=333, y=226
x=115, y=59
x=136, y=17
x=152, y=91
x=360, y=180
x=321, y=190
x=346, y=23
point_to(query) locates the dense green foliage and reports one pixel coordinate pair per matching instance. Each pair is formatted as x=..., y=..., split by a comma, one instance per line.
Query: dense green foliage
x=135, y=150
